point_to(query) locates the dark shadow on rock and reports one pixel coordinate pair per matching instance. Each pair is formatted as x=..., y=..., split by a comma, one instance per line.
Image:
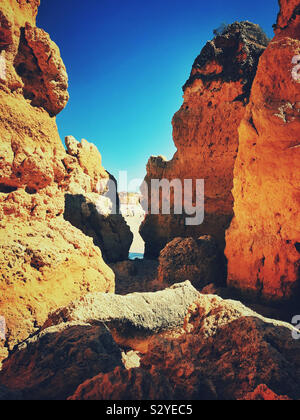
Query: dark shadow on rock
x=110, y=233
x=52, y=364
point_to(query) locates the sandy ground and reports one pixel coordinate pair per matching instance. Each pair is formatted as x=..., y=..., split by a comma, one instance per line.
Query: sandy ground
x=134, y=222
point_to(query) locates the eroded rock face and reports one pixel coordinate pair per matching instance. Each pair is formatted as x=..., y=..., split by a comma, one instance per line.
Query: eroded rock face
x=205, y=132
x=42, y=70
x=197, y=260
x=232, y=347
x=45, y=262
x=133, y=318
x=263, y=240
x=52, y=364
x=263, y=393
x=224, y=351
x=122, y=384
x=191, y=346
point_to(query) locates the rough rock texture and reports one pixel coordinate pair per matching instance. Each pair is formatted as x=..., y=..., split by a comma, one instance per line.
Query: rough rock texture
x=44, y=267
x=122, y=384
x=205, y=132
x=136, y=276
x=197, y=260
x=263, y=393
x=224, y=351
x=232, y=347
x=86, y=209
x=133, y=318
x=42, y=70
x=52, y=364
x=44, y=261
x=263, y=248
x=215, y=349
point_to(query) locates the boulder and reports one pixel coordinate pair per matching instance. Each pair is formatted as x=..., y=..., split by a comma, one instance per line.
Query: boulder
x=52, y=364
x=232, y=347
x=134, y=318
x=198, y=260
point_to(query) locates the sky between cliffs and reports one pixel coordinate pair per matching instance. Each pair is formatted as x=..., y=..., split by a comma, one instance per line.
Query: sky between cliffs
x=127, y=61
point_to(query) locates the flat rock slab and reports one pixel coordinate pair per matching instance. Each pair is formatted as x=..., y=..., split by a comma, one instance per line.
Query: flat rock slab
x=133, y=314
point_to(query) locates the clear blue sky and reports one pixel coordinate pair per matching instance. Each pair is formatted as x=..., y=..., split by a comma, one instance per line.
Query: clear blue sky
x=127, y=61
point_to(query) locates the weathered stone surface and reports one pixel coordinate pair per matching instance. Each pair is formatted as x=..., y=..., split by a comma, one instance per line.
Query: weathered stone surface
x=263, y=393
x=91, y=214
x=197, y=260
x=122, y=384
x=45, y=263
x=44, y=267
x=232, y=347
x=84, y=157
x=205, y=132
x=288, y=17
x=263, y=240
x=52, y=364
x=136, y=276
x=133, y=318
x=42, y=70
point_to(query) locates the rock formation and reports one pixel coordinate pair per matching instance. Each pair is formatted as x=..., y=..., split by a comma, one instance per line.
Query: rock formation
x=90, y=212
x=52, y=364
x=197, y=260
x=205, y=132
x=133, y=318
x=227, y=349
x=45, y=262
x=263, y=242
x=122, y=384
x=192, y=346
x=263, y=393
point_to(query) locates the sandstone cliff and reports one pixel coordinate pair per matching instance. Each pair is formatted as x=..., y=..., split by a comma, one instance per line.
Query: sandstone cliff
x=45, y=262
x=205, y=132
x=263, y=242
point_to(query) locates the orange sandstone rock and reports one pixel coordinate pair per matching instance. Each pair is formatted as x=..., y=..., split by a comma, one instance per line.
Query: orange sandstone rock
x=45, y=262
x=205, y=132
x=263, y=242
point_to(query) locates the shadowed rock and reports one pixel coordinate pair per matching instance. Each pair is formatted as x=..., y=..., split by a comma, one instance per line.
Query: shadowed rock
x=198, y=260
x=132, y=318
x=53, y=363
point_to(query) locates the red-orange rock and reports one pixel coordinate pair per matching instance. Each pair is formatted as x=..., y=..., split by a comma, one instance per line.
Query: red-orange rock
x=226, y=352
x=122, y=384
x=263, y=393
x=205, y=132
x=196, y=260
x=263, y=242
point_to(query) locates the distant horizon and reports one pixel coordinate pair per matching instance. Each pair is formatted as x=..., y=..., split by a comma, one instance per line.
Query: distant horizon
x=127, y=64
